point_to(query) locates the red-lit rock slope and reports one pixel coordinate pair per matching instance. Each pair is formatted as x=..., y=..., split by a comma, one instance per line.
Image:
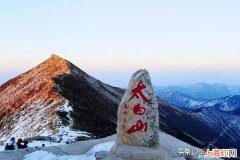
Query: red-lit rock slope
x=53, y=94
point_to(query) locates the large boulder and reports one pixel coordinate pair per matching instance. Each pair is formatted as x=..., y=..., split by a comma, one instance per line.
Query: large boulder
x=137, y=127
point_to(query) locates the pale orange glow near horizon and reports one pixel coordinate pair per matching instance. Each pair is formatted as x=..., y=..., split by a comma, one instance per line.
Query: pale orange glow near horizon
x=160, y=63
x=116, y=70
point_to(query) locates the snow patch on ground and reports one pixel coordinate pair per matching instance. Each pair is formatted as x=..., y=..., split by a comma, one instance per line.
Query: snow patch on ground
x=45, y=143
x=65, y=107
x=83, y=151
x=90, y=155
x=66, y=135
x=2, y=148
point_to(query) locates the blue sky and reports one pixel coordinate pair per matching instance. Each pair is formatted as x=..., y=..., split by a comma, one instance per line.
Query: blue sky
x=179, y=42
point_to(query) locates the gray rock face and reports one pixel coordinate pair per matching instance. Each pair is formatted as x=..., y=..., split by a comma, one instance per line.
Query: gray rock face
x=137, y=128
x=138, y=113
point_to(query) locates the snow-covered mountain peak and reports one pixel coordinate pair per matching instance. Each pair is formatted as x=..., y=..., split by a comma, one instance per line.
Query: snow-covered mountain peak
x=30, y=104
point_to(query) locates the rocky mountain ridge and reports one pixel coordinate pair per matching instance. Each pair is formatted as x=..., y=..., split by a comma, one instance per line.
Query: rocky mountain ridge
x=55, y=94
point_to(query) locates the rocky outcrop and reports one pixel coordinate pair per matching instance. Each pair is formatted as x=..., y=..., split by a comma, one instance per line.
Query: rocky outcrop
x=138, y=113
x=137, y=129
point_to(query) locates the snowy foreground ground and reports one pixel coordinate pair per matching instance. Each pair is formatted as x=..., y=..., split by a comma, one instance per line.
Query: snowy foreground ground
x=86, y=150
x=65, y=133
x=38, y=144
x=90, y=155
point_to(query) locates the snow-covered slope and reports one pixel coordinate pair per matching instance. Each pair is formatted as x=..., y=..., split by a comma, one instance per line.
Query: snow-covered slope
x=229, y=104
x=29, y=102
x=180, y=100
x=53, y=95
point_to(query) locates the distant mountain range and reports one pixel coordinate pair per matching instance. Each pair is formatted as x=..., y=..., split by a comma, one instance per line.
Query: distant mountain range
x=219, y=119
x=201, y=91
x=228, y=104
x=204, y=128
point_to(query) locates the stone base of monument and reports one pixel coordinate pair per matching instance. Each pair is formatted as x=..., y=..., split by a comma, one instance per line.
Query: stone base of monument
x=125, y=152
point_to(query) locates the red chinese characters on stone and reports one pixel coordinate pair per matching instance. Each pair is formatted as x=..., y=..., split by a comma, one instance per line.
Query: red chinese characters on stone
x=136, y=92
x=140, y=126
x=137, y=109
